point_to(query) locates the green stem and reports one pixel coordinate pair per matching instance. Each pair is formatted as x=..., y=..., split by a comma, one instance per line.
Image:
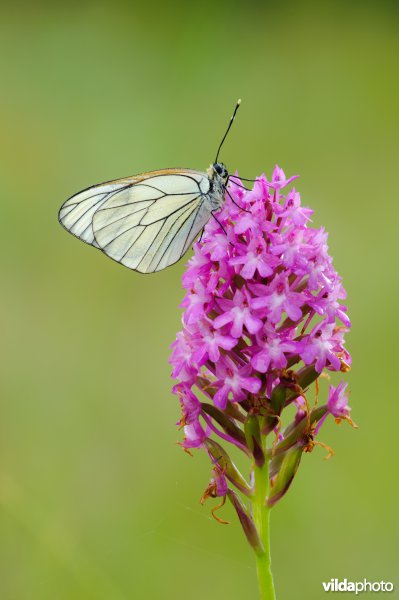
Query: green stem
x=261, y=518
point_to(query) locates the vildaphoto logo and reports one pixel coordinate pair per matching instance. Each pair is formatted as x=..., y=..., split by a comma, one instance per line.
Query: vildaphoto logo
x=334, y=585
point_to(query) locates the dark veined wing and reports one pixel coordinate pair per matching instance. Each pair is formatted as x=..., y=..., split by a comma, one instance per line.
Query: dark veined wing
x=146, y=222
x=76, y=214
x=149, y=225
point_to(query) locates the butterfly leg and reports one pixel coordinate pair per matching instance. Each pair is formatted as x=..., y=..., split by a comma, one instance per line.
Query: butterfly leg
x=234, y=202
x=219, y=223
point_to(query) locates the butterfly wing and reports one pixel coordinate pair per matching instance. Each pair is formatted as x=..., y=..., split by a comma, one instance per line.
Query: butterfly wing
x=76, y=214
x=146, y=222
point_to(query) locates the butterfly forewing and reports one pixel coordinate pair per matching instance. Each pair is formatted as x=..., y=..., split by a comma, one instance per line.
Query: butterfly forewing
x=146, y=222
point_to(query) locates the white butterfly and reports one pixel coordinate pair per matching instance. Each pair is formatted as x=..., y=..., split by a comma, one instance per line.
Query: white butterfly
x=147, y=222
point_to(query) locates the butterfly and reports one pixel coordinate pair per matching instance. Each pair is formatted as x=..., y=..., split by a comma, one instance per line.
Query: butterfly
x=147, y=222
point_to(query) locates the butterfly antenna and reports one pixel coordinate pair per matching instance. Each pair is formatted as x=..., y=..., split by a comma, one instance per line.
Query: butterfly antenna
x=239, y=185
x=228, y=129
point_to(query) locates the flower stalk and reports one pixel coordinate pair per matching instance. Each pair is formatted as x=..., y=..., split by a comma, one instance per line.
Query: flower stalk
x=263, y=322
x=261, y=513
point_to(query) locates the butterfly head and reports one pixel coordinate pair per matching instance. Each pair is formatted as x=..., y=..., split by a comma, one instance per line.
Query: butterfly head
x=218, y=170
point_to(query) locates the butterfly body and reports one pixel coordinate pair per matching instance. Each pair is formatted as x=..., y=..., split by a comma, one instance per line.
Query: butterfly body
x=148, y=221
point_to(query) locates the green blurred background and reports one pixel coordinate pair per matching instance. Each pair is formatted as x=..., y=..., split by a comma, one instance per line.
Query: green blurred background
x=96, y=500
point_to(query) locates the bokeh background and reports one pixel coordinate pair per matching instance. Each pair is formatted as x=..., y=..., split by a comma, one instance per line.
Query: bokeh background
x=96, y=500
